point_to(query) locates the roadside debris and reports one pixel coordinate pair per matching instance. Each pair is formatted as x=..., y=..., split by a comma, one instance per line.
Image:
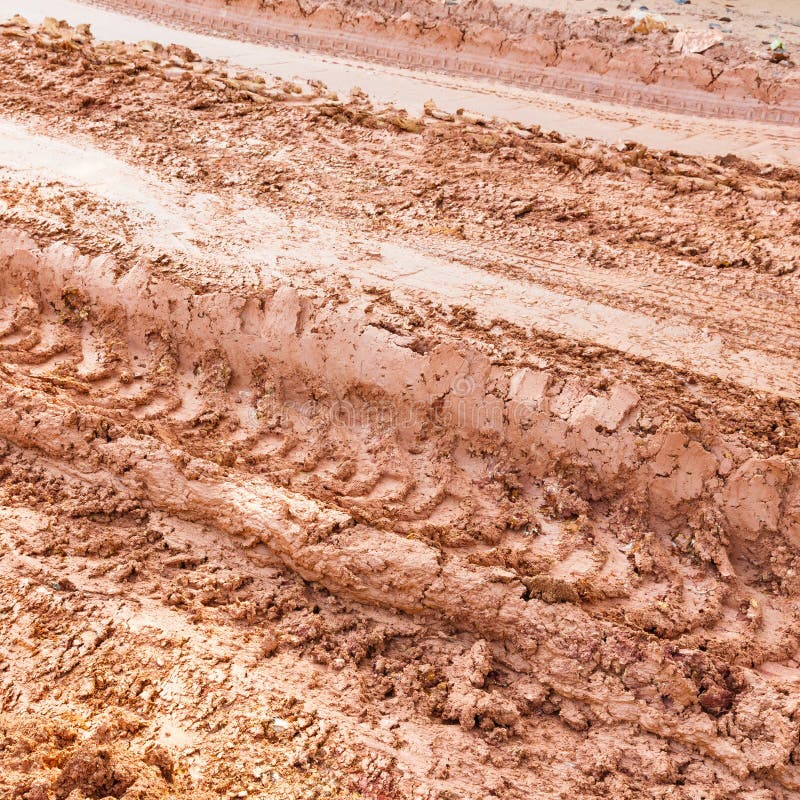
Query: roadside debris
x=643, y=21
x=778, y=51
x=694, y=41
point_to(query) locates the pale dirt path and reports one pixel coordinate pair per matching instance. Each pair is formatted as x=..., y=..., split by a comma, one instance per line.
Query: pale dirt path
x=410, y=89
x=172, y=218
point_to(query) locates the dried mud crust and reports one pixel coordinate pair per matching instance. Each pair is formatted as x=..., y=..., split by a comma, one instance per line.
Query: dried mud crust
x=382, y=547
x=589, y=59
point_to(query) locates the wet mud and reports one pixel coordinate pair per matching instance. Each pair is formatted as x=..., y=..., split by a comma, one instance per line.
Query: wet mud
x=615, y=57
x=351, y=454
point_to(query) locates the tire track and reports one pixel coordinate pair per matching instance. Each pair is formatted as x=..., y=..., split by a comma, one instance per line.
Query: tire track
x=583, y=86
x=698, y=303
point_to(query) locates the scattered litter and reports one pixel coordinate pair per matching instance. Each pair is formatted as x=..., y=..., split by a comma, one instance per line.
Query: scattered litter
x=683, y=2
x=695, y=41
x=642, y=21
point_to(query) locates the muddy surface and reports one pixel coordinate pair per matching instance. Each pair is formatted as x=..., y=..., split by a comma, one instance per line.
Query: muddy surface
x=347, y=453
x=410, y=88
x=630, y=56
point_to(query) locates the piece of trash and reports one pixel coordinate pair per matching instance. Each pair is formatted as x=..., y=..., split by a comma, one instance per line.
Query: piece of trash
x=778, y=52
x=683, y=2
x=715, y=25
x=645, y=22
x=690, y=41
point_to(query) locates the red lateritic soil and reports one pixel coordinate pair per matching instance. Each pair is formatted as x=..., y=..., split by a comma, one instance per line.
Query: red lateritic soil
x=356, y=455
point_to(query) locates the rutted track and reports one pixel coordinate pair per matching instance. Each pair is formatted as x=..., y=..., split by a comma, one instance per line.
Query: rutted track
x=768, y=324
x=258, y=26
x=293, y=476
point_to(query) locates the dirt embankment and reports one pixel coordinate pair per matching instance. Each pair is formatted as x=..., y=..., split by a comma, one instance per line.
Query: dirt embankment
x=605, y=59
x=278, y=519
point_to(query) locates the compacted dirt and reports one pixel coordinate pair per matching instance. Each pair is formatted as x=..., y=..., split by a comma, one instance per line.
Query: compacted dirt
x=352, y=454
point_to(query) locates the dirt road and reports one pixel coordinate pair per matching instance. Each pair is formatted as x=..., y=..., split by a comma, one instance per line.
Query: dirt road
x=631, y=58
x=410, y=89
x=352, y=453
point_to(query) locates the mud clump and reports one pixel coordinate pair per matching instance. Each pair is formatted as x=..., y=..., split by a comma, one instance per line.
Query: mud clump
x=42, y=758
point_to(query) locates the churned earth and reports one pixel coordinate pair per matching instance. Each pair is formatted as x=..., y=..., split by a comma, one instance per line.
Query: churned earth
x=576, y=95
x=356, y=453
x=630, y=55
